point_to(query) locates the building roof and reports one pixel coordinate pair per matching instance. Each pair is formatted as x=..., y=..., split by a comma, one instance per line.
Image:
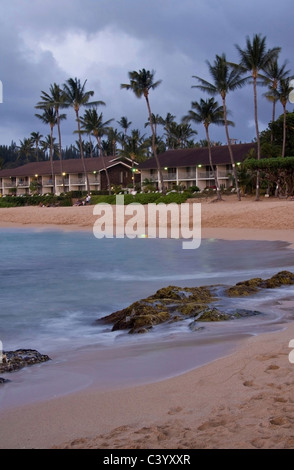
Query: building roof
x=73, y=166
x=199, y=156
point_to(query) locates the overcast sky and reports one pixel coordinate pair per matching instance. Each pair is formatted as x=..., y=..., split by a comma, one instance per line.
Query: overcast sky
x=43, y=42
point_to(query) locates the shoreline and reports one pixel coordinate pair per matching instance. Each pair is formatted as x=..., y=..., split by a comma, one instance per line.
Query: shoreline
x=257, y=376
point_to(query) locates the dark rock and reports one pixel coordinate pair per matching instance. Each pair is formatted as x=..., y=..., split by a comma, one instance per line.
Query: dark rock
x=15, y=360
x=3, y=381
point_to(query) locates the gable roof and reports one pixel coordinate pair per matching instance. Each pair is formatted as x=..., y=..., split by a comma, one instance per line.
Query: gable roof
x=199, y=156
x=73, y=166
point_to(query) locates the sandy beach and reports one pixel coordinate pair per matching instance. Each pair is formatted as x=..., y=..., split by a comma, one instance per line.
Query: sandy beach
x=244, y=400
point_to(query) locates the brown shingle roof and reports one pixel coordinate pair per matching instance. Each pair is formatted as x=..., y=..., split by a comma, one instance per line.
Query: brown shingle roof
x=72, y=166
x=199, y=156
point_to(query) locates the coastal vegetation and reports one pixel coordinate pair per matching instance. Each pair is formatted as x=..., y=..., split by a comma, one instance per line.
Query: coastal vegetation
x=258, y=65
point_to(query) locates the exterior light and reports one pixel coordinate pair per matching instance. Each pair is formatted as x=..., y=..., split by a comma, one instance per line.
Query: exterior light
x=134, y=170
x=63, y=174
x=238, y=163
x=199, y=166
x=36, y=176
x=94, y=172
x=165, y=168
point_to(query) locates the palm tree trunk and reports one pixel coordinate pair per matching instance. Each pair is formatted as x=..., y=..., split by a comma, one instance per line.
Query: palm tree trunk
x=82, y=153
x=59, y=141
x=104, y=165
x=219, y=197
x=230, y=151
x=273, y=120
x=51, y=158
x=161, y=188
x=257, y=137
x=284, y=132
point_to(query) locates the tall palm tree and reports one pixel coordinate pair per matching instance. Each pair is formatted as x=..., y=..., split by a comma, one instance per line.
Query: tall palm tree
x=225, y=78
x=208, y=112
x=92, y=123
x=36, y=137
x=76, y=96
x=271, y=77
x=141, y=83
x=283, y=91
x=55, y=99
x=254, y=58
x=49, y=117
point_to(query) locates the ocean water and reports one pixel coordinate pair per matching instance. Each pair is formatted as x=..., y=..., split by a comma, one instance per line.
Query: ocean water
x=54, y=285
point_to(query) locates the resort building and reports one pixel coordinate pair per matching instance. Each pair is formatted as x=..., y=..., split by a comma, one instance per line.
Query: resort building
x=190, y=167
x=68, y=175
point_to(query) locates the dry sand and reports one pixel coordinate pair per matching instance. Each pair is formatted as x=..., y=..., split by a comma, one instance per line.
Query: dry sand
x=244, y=400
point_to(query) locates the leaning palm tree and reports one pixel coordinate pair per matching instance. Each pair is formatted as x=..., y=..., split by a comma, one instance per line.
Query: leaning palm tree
x=55, y=99
x=49, y=117
x=225, y=78
x=92, y=123
x=36, y=137
x=208, y=112
x=141, y=83
x=255, y=59
x=283, y=91
x=76, y=96
x=271, y=77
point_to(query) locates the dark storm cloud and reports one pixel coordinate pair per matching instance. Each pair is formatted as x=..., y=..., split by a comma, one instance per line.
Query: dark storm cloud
x=101, y=40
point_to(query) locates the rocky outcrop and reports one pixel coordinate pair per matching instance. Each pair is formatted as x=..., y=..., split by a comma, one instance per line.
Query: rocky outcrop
x=244, y=288
x=15, y=360
x=173, y=303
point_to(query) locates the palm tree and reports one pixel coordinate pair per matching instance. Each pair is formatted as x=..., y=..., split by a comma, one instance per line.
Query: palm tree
x=255, y=58
x=92, y=123
x=208, y=112
x=272, y=75
x=56, y=100
x=76, y=97
x=135, y=148
x=225, y=78
x=283, y=91
x=141, y=83
x=25, y=148
x=36, y=137
x=49, y=117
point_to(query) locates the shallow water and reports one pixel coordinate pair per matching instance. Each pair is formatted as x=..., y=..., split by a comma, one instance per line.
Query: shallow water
x=54, y=285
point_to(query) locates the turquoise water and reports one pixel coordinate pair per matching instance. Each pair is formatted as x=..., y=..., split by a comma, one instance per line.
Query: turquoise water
x=54, y=284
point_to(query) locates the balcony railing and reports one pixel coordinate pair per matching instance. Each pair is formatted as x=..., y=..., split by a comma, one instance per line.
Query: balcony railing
x=207, y=175
x=11, y=184
x=77, y=181
x=23, y=184
x=188, y=175
x=169, y=176
x=223, y=174
x=47, y=183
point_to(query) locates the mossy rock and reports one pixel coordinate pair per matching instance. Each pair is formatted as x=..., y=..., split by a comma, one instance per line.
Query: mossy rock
x=170, y=292
x=199, y=294
x=245, y=288
x=213, y=315
x=191, y=308
x=283, y=278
